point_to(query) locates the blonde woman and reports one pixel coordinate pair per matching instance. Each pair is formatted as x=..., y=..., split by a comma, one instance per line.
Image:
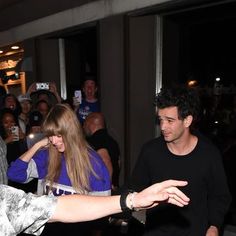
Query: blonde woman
x=63, y=161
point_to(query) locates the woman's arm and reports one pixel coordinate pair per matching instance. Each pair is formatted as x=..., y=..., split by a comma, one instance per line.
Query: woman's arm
x=27, y=156
x=75, y=208
x=23, y=169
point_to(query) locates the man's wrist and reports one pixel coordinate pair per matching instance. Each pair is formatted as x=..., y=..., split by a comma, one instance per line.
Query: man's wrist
x=127, y=201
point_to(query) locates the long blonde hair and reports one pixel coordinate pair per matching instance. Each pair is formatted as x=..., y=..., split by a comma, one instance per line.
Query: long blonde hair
x=61, y=120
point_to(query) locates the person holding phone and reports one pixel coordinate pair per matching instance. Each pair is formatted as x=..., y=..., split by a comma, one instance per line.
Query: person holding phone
x=15, y=142
x=9, y=127
x=46, y=91
x=90, y=102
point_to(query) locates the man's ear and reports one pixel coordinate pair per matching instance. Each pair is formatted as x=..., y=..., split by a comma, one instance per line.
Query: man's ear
x=188, y=121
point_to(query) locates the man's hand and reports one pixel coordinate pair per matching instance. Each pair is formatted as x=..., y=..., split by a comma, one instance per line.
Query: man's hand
x=165, y=191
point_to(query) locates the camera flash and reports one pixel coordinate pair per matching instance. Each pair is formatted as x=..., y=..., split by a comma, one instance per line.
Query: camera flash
x=31, y=136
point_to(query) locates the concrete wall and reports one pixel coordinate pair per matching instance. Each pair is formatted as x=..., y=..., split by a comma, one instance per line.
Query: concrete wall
x=141, y=62
x=127, y=82
x=112, y=77
x=92, y=11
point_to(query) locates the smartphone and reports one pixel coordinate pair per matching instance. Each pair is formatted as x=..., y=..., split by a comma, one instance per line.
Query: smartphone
x=78, y=96
x=42, y=86
x=15, y=132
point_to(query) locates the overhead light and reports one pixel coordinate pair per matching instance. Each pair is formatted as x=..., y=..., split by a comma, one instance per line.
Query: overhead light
x=15, y=47
x=1, y=51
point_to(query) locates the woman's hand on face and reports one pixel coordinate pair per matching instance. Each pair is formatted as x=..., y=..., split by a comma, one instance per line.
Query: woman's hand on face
x=44, y=142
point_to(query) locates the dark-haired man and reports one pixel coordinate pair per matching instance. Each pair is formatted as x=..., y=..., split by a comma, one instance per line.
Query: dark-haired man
x=180, y=154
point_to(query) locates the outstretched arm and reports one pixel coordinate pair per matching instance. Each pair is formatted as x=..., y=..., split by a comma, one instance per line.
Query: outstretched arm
x=75, y=208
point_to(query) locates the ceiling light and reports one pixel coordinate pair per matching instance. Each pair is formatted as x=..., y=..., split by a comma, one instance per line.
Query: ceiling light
x=15, y=47
x=1, y=51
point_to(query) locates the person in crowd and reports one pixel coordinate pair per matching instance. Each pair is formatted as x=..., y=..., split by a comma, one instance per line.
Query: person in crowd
x=43, y=107
x=48, y=93
x=180, y=154
x=35, y=132
x=3, y=162
x=26, y=105
x=15, y=143
x=106, y=146
x=90, y=102
x=10, y=101
x=11, y=134
x=27, y=212
x=63, y=161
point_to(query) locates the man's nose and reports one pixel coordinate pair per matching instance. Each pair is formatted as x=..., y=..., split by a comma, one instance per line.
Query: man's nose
x=162, y=125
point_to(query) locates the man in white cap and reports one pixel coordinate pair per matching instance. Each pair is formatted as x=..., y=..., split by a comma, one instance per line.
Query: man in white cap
x=26, y=105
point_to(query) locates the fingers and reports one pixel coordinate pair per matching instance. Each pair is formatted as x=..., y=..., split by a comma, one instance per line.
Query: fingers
x=173, y=183
x=165, y=191
x=173, y=201
x=44, y=142
x=175, y=196
x=178, y=195
x=170, y=186
x=177, y=199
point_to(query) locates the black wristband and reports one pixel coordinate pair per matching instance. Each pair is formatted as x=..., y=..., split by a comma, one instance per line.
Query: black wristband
x=123, y=204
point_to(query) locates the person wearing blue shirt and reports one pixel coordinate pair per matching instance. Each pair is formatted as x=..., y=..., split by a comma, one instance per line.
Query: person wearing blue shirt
x=90, y=102
x=62, y=161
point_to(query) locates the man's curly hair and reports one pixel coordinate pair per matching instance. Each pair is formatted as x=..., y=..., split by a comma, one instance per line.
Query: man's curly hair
x=185, y=99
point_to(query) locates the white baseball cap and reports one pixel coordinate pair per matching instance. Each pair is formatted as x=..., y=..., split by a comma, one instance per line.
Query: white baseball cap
x=24, y=97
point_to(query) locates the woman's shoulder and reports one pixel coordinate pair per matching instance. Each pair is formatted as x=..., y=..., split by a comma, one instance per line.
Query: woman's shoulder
x=96, y=160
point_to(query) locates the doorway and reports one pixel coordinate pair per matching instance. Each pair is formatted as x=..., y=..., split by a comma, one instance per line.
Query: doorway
x=80, y=57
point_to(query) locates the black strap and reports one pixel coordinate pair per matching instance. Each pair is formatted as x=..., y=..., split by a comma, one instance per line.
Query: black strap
x=123, y=204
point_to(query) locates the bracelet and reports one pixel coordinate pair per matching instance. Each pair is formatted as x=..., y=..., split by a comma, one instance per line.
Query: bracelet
x=131, y=201
x=123, y=204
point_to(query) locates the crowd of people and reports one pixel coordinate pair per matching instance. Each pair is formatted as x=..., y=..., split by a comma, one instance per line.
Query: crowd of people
x=44, y=149
x=49, y=149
